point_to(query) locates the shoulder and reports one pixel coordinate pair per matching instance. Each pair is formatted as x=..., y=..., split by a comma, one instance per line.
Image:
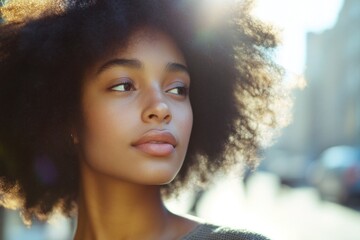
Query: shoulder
x=213, y=232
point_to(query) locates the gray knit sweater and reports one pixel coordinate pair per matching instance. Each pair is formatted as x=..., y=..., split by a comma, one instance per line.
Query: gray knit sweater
x=212, y=232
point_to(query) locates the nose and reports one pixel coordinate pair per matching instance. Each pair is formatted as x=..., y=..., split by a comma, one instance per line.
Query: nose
x=156, y=109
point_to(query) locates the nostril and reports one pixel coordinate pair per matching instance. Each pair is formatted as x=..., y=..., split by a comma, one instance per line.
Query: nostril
x=151, y=116
x=159, y=112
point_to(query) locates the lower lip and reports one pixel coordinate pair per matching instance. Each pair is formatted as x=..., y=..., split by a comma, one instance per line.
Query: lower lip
x=156, y=149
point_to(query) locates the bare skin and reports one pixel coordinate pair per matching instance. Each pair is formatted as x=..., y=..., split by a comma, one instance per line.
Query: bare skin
x=108, y=210
x=137, y=125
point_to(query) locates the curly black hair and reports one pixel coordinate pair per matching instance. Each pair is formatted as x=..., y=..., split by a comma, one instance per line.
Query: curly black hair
x=46, y=47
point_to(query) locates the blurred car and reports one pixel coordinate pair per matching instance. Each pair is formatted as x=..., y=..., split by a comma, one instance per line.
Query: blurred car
x=336, y=175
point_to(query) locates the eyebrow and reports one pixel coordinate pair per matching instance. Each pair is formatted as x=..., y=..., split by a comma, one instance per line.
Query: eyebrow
x=132, y=63
x=177, y=67
x=137, y=64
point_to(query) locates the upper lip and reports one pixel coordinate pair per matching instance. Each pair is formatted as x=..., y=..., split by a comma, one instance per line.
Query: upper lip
x=156, y=136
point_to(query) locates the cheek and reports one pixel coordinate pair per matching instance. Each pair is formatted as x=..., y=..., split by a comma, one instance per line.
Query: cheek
x=185, y=119
x=189, y=122
x=105, y=125
x=106, y=135
x=103, y=115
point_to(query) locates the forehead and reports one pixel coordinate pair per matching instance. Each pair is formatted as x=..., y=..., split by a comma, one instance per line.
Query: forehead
x=150, y=46
x=147, y=42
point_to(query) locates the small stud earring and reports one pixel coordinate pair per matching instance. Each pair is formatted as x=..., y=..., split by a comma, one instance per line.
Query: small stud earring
x=74, y=140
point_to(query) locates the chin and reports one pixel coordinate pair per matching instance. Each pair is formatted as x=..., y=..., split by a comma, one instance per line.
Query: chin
x=161, y=178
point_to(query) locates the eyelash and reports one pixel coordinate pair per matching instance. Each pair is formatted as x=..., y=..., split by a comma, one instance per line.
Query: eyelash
x=129, y=86
x=124, y=84
x=182, y=91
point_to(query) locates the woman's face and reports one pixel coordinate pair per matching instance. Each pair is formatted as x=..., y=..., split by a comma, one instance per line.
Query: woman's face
x=137, y=112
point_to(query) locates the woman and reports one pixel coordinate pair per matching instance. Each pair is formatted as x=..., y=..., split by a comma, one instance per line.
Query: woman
x=108, y=106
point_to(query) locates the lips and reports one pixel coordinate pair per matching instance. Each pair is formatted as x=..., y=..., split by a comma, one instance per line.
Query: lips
x=156, y=143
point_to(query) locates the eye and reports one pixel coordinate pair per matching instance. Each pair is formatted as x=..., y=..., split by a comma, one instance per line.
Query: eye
x=181, y=90
x=124, y=87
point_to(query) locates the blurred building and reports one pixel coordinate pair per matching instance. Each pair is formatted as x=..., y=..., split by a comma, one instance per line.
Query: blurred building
x=327, y=112
x=333, y=74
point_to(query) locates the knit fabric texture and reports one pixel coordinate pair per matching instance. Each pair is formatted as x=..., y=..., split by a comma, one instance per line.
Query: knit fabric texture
x=213, y=232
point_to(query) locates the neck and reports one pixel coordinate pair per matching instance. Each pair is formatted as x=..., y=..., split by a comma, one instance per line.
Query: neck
x=109, y=208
